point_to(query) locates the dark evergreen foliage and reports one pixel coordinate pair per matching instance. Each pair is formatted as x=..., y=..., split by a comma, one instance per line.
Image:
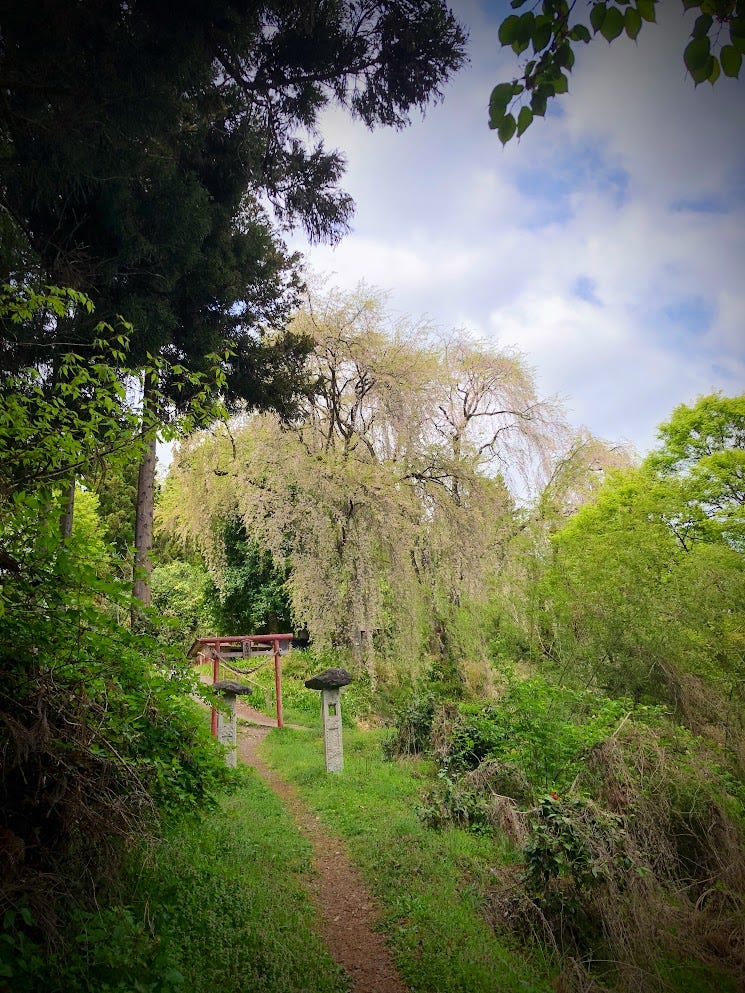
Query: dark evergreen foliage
x=252, y=598
x=143, y=154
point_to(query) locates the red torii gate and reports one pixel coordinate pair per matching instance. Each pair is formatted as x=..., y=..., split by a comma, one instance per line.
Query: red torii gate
x=221, y=649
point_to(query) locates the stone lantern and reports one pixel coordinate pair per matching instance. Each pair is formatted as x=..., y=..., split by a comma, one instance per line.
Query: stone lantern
x=330, y=683
x=227, y=733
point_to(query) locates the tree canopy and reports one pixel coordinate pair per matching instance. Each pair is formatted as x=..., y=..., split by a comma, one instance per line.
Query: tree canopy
x=388, y=495
x=641, y=590
x=155, y=164
x=141, y=155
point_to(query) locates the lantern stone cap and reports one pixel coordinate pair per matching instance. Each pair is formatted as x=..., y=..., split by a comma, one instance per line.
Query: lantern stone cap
x=330, y=679
x=230, y=687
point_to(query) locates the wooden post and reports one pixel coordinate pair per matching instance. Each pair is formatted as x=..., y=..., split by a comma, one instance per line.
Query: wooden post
x=215, y=677
x=278, y=682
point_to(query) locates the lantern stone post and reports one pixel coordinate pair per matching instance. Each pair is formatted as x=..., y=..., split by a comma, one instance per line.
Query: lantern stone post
x=227, y=726
x=330, y=683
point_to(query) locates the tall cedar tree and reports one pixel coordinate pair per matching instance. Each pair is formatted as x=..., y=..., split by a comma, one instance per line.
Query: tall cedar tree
x=148, y=158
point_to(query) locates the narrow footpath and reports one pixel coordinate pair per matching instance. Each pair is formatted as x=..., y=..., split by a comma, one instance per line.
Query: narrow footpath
x=347, y=911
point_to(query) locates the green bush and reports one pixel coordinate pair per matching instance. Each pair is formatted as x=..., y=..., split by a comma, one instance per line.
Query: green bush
x=99, y=738
x=413, y=721
x=570, y=841
x=630, y=831
x=180, y=592
x=98, y=951
x=540, y=728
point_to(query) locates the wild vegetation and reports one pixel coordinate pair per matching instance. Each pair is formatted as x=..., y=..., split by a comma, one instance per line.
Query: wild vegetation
x=572, y=676
x=546, y=767
x=530, y=894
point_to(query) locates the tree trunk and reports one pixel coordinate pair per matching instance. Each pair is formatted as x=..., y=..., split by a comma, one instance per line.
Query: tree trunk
x=69, y=512
x=144, y=530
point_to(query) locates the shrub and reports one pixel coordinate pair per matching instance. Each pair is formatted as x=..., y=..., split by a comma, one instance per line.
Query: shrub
x=180, y=594
x=542, y=729
x=413, y=720
x=99, y=951
x=631, y=832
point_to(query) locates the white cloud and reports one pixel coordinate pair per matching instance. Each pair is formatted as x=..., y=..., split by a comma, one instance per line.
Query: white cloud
x=500, y=240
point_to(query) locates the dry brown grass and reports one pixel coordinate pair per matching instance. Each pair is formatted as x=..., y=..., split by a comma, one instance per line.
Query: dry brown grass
x=69, y=801
x=671, y=878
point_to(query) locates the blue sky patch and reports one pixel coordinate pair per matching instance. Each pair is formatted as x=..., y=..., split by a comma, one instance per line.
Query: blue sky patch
x=693, y=315
x=581, y=168
x=585, y=288
x=715, y=204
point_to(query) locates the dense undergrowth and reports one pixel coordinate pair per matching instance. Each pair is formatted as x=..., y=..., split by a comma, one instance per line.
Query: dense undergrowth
x=100, y=743
x=629, y=829
x=101, y=746
x=218, y=901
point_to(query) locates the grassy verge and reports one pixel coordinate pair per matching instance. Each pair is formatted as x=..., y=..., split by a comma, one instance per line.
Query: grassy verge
x=227, y=899
x=431, y=884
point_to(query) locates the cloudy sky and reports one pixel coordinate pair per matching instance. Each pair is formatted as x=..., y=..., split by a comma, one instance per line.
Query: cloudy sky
x=608, y=245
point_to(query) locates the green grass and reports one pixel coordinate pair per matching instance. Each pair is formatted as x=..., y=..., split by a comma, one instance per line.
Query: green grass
x=431, y=885
x=299, y=705
x=693, y=977
x=227, y=897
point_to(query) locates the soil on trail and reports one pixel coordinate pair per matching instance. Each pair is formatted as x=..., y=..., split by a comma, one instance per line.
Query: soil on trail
x=347, y=912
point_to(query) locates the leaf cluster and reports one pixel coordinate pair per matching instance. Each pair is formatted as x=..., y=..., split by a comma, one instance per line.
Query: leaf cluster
x=76, y=413
x=550, y=31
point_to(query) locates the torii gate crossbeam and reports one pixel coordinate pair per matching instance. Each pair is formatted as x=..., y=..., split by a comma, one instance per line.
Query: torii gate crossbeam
x=224, y=647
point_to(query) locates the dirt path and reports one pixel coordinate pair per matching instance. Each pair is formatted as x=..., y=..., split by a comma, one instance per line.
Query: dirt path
x=248, y=713
x=346, y=909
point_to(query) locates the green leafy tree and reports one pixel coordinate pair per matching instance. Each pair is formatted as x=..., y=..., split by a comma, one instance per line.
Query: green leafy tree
x=116, y=488
x=704, y=446
x=645, y=589
x=181, y=595
x=52, y=428
x=574, y=477
x=88, y=531
x=247, y=596
x=150, y=160
x=549, y=32
x=387, y=495
x=252, y=596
